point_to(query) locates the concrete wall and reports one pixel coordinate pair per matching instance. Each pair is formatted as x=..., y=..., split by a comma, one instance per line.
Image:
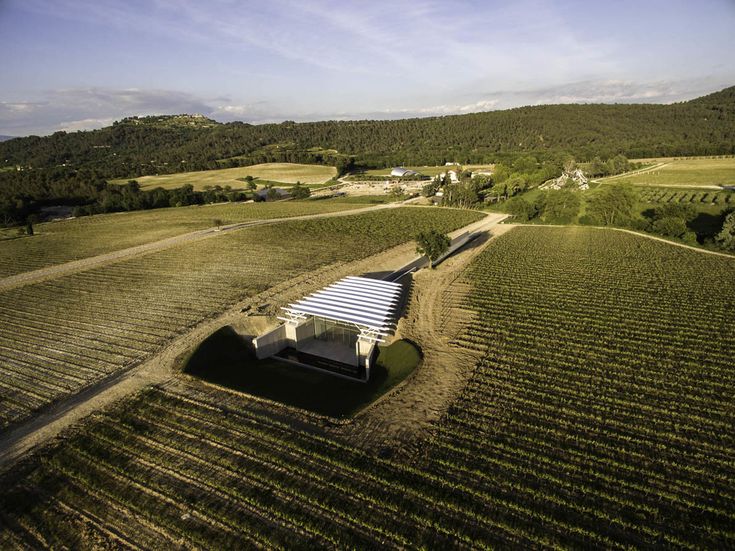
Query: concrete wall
x=300, y=333
x=365, y=350
x=271, y=342
x=367, y=353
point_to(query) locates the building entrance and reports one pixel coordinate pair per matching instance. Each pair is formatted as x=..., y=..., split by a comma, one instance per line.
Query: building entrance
x=335, y=331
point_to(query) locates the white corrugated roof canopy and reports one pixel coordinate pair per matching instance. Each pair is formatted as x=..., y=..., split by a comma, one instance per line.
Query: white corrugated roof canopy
x=369, y=304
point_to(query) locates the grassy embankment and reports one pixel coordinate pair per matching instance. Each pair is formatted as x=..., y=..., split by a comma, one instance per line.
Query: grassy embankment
x=691, y=172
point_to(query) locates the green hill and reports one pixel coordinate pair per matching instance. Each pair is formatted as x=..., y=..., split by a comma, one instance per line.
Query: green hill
x=69, y=165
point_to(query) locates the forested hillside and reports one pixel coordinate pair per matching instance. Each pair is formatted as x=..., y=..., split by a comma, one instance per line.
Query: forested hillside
x=69, y=165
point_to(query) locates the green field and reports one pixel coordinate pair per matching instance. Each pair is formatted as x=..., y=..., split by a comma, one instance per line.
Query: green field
x=692, y=172
x=60, y=335
x=284, y=173
x=600, y=417
x=428, y=170
x=58, y=242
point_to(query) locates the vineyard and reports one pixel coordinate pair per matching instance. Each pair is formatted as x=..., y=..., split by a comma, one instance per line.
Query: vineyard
x=600, y=417
x=605, y=392
x=60, y=335
x=664, y=195
x=58, y=242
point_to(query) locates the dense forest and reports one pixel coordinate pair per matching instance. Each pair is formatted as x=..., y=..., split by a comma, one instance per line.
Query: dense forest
x=74, y=167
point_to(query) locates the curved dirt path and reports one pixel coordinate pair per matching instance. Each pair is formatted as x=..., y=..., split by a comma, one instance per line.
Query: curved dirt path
x=435, y=317
x=58, y=270
x=631, y=173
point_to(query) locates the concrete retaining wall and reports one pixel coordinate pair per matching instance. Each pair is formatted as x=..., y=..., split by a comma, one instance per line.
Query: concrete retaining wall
x=301, y=333
x=271, y=342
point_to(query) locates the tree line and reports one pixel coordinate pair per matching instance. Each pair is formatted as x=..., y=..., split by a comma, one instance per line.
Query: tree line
x=69, y=166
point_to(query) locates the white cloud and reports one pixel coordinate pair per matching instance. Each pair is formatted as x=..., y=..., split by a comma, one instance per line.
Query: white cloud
x=84, y=124
x=443, y=109
x=88, y=108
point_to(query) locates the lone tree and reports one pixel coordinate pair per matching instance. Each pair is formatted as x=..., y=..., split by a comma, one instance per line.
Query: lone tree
x=300, y=191
x=433, y=244
x=726, y=237
x=250, y=183
x=218, y=222
x=32, y=219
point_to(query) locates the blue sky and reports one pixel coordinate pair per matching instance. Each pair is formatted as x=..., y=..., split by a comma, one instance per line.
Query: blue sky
x=80, y=64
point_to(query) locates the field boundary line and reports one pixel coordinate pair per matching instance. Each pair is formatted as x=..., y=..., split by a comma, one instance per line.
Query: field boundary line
x=606, y=179
x=83, y=264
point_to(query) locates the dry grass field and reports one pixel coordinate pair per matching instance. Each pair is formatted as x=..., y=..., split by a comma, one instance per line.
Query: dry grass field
x=287, y=173
x=692, y=172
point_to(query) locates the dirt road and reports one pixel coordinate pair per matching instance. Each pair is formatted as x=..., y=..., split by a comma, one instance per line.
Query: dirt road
x=606, y=179
x=164, y=365
x=66, y=268
x=436, y=316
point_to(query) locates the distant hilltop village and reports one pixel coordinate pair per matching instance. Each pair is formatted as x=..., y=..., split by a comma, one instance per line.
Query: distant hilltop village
x=197, y=119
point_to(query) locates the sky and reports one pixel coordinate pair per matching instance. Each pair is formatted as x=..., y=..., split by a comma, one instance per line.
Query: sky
x=81, y=64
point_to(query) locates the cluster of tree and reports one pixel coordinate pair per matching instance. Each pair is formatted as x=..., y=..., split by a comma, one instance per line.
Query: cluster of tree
x=554, y=207
x=527, y=171
x=612, y=205
x=466, y=192
x=726, y=237
x=671, y=220
x=614, y=165
x=128, y=197
x=300, y=191
x=64, y=165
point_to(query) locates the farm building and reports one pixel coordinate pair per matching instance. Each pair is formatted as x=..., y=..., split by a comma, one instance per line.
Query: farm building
x=263, y=193
x=452, y=174
x=400, y=172
x=336, y=329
